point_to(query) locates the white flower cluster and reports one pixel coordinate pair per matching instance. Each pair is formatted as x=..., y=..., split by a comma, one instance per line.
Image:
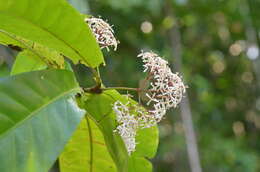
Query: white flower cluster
x=127, y=125
x=130, y=117
x=103, y=32
x=166, y=88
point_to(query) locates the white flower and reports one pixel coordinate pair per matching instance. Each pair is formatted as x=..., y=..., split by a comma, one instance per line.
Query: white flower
x=166, y=88
x=103, y=32
x=127, y=125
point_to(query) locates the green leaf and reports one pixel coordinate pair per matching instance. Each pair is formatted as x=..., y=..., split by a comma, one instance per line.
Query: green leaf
x=38, y=115
x=99, y=108
x=148, y=140
x=5, y=39
x=54, y=24
x=139, y=164
x=86, y=151
x=27, y=61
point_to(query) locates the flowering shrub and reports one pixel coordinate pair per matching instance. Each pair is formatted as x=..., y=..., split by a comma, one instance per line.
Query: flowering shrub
x=43, y=105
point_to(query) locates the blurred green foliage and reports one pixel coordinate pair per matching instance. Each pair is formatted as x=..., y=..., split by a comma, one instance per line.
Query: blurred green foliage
x=221, y=74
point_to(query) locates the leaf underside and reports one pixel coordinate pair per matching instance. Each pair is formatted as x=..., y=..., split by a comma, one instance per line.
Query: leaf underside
x=38, y=115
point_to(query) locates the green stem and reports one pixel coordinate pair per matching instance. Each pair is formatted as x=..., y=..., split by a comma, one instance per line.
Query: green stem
x=96, y=76
x=121, y=88
x=98, y=89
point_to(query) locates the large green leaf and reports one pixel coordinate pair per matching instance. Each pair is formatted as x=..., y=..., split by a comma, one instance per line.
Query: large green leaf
x=51, y=23
x=38, y=115
x=99, y=108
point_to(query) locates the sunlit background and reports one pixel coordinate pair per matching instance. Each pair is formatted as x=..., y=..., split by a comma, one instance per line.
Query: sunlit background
x=215, y=47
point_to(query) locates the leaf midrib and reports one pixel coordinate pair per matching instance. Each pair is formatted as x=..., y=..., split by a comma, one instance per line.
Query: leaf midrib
x=31, y=114
x=24, y=44
x=90, y=144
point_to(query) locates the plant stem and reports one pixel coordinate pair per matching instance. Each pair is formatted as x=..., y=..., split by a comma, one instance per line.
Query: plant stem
x=121, y=88
x=99, y=89
x=96, y=76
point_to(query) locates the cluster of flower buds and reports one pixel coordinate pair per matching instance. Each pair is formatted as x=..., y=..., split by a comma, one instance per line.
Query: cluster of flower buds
x=127, y=124
x=166, y=88
x=103, y=32
x=130, y=117
x=165, y=91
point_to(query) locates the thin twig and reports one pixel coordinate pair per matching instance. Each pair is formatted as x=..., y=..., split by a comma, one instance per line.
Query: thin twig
x=98, y=89
x=121, y=88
